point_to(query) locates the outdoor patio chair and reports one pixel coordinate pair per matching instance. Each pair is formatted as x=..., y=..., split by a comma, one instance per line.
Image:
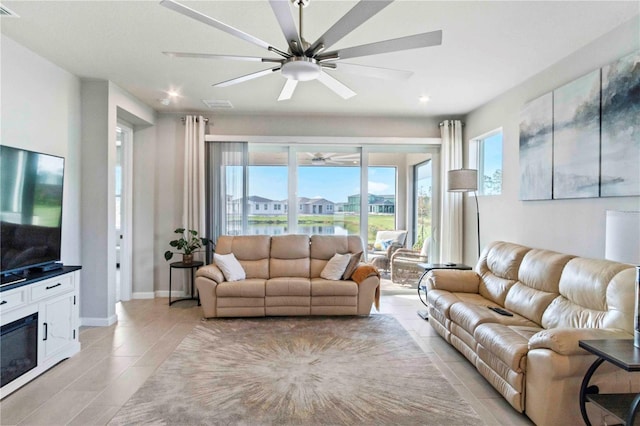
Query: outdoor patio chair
x=386, y=243
x=404, y=264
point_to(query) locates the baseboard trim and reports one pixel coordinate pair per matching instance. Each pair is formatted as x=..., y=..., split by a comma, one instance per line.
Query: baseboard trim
x=143, y=295
x=98, y=322
x=174, y=294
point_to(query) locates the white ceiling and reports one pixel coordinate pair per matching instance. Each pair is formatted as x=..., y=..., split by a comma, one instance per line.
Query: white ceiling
x=488, y=47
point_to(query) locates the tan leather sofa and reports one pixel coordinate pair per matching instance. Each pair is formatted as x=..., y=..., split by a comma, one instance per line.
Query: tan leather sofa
x=283, y=278
x=532, y=358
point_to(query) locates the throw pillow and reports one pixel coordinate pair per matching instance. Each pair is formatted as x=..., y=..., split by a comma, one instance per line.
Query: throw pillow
x=352, y=266
x=334, y=269
x=382, y=244
x=386, y=244
x=229, y=266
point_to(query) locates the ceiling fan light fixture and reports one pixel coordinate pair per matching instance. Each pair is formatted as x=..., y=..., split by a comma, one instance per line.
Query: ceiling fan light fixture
x=300, y=68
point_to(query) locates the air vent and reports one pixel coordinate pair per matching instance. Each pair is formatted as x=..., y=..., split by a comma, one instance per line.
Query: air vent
x=217, y=103
x=7, y=13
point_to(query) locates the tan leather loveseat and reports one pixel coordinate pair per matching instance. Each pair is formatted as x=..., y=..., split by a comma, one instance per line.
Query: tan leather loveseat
x=532, y=358
x=283, y=278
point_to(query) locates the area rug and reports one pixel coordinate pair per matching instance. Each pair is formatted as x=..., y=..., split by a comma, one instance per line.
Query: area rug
x=297, y=371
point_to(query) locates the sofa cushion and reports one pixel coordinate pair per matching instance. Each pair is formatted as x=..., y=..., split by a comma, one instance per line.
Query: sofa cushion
x=538, y=283
x=253, y=287
x=289, y=256
x=509, y=344
x=252, y=251
x=469, y=316
x=593, y=294
x=288, y=286
x=322, y=287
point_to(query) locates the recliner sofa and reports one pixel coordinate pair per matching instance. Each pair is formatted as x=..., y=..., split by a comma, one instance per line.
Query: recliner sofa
x=532, y=358
x=283, y=278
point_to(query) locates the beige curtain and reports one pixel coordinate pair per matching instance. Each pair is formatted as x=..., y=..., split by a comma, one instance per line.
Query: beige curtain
x=451, y=211
x=193, y=207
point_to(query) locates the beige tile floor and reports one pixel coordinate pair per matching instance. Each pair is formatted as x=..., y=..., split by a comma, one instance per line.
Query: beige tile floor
x=89, y=388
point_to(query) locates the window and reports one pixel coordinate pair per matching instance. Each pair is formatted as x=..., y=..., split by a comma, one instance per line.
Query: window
x=257, y=206
x=266, y=207
x=422, y=195
x=381, y=199
x=486, y=154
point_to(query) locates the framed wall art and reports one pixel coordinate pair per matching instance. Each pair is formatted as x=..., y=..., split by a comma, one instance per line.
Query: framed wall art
x=576, y=138
x=620, y=175
x=536, y=149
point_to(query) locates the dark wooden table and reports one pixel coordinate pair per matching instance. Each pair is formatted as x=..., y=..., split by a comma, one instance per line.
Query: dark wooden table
x=426, y=267
x=181, y=265
x=623, y=354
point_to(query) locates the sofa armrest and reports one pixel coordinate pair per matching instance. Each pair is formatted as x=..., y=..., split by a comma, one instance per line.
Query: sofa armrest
x=564, y=341
x=453, y=280
x=212, y=272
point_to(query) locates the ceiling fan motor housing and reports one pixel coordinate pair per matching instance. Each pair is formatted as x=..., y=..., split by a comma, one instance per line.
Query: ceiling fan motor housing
x=300, y=68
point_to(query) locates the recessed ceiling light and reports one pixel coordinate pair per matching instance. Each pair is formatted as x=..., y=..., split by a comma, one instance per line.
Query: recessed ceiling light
x=423, y=99
x=164, y=101
x=172, y=93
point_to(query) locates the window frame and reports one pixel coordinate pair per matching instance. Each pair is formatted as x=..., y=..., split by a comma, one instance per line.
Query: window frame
x=477, y=159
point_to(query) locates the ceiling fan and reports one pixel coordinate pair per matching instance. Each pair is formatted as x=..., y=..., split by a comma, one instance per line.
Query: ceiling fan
x=320, y=159
x=305, y=61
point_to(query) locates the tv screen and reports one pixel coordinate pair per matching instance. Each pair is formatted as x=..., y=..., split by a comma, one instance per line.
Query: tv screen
x=30, y=208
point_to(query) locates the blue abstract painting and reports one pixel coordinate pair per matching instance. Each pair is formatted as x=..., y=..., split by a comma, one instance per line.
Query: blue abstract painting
x=620, y=175
x=536, y=149
x=576, y=138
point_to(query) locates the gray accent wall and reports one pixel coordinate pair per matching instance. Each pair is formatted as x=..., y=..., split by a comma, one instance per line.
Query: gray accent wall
x=571, y=226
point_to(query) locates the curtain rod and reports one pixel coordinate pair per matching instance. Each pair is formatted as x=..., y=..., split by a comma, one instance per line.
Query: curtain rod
x=442, y=123
x=206, y=120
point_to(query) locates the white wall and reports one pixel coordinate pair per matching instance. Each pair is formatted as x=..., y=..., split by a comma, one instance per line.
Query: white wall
x=102, y=104
x=569, y=226
x=40, y=111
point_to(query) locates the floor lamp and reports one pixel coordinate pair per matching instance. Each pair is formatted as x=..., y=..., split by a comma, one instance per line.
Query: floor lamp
x=465, y=180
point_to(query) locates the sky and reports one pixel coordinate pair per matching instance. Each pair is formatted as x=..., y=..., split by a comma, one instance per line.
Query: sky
x=329, y=182
x=493, y=154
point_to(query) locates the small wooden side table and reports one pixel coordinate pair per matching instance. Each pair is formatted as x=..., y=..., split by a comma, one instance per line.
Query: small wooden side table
x=623, y=354
x=181, y=265
x=426, y=267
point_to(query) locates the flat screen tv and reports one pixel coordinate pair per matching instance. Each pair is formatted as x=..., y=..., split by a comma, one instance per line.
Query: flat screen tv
x=30, y=210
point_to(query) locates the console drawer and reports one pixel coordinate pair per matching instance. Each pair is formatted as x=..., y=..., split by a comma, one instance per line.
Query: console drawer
x=12, y=299
x=51, y=287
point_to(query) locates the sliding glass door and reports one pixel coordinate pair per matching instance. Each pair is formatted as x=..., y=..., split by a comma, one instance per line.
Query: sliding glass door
x=273, y=189
x=327, y=180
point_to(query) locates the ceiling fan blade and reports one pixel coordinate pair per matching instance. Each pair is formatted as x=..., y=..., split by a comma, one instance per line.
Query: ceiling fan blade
x=214, y=56
x=355, y=17
x=375, y=72
x=287, y=90
x=432, y=38
x=335, y=85
x=246, y=77
x=282, y=10
x=194, y=14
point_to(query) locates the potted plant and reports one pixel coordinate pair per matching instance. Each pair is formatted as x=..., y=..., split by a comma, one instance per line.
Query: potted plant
x=188, y=243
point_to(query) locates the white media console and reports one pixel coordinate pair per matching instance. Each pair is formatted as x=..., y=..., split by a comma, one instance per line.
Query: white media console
x=54, y=297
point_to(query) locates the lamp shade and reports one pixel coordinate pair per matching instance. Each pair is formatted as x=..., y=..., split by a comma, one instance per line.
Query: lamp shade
x=622, y=240
x=462, y=180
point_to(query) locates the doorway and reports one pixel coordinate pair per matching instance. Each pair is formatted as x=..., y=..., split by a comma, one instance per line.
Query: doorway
x=123, y=217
